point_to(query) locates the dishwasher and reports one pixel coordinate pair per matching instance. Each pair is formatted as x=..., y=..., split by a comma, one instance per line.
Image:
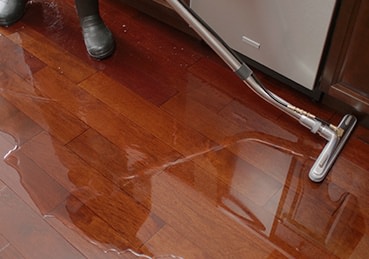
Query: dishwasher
x=287, y=37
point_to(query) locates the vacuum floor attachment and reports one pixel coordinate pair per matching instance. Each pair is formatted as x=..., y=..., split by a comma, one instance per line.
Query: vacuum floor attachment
x=335, y=135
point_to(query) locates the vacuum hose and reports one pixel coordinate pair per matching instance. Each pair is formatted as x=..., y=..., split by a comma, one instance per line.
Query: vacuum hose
x=335, y=135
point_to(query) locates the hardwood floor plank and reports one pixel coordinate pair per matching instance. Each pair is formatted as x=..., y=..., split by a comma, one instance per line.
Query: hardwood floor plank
x=249, y=135
x=10, y=252
x=16, y=123
x=244, y=177
x=43, y=192
x=2, y=185
x=363, y=246
x=159, y=123
x=352, y=178
x=153, y=58
x=6, y=249
x=336, y=210
x=52, y=55
x=99, y=116
x=246, y=116
x=8, y=143
x=102, y=196
x=284, y=237
x=128, y=168
x=363, y=134
x=9, y=176
x=202, y=119
x=232, y=200
x=350, y=172
x=41, y=109
x=18, y=171
x=206, y=95
x=26, y=230
x=188, y=212
x=3, y=241
x=21, y=127
x=235, y=122
x=7, y=109
x=15, y=58
x=113, y=162
x=86, y=231
x=357, y=156
x=168, y=243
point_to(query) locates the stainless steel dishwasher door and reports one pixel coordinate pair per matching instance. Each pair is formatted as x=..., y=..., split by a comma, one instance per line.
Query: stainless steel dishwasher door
x=286, y=36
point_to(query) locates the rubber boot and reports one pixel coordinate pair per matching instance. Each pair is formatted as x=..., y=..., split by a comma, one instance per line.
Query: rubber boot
x=98, y=38
x=11, y=11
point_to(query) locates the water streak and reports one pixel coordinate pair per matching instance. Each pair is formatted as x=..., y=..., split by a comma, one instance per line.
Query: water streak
x=138, y=255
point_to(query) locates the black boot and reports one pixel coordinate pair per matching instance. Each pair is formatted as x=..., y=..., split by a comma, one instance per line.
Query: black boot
x=11, y=11
x=98, y=38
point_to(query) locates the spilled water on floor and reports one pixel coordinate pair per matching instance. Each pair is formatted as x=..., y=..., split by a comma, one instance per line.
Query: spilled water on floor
x=107, y=194
x=255, y=198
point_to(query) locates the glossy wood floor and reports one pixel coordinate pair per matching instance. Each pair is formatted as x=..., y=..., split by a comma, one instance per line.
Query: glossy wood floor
x=160, y=152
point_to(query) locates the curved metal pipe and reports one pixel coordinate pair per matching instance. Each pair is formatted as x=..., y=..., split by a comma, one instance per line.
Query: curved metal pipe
x=329, y=132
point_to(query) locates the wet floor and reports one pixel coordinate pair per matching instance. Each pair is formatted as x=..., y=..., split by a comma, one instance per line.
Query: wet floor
x=95, y=165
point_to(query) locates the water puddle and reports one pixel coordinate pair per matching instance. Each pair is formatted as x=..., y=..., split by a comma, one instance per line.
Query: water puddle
x=115, y=191
x=273, y=202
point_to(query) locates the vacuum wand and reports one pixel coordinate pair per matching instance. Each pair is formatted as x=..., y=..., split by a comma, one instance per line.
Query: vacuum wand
x=335, y=135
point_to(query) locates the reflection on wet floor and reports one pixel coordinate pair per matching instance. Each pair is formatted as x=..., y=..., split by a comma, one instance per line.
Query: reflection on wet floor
x=226, y=188
x=103, y=173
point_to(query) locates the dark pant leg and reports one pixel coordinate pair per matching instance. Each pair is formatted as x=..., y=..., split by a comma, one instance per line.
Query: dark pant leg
x=87, y=7
x=98, y=38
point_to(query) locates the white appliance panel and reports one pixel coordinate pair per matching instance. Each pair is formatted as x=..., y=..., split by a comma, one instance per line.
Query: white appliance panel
x=287, y=36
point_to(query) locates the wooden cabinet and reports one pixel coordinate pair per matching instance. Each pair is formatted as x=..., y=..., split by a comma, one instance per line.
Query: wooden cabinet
x=345, y=75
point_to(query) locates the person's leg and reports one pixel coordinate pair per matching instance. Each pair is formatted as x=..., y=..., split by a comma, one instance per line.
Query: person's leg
x=11, y=11
x=98, y=39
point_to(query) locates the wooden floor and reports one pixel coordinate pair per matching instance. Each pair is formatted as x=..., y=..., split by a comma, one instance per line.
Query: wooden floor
x=160, y=152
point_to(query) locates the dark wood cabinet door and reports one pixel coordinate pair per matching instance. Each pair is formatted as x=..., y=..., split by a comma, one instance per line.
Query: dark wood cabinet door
x=346, y=72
